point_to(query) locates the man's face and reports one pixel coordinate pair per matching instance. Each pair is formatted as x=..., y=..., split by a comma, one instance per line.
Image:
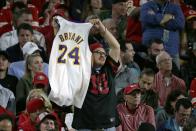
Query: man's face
x=134, y=98
x=146, y=82
x=4, y=63
x=182, y=115
x=25, y=18
x=24, y=36
x=5, y=125
x=47, y=125
x=128, y=54
x=165, y=63
x=96, y=4
x=155, y=49
x=99, y=57
x=120, y=8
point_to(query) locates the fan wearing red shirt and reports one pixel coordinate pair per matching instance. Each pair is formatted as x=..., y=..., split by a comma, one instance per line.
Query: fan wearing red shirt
x=132, y=113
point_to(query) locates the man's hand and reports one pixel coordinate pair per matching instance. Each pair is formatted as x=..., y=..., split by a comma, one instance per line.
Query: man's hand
x=166, y=18
x=55, y=25
x=130, y=7
x=98, y=25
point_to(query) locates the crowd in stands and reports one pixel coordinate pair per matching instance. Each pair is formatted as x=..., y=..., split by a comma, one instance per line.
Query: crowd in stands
x=143, y=74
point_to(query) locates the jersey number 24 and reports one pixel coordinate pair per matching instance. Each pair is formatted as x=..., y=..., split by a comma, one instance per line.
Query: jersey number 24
x=73, y=54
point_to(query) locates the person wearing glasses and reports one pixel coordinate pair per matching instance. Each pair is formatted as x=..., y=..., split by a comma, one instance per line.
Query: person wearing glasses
x=165, y=81
x=132, y=112
x=99, y=108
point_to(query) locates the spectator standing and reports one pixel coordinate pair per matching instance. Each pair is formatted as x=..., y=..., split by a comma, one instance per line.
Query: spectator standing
x=163, y=20
x=98, y=110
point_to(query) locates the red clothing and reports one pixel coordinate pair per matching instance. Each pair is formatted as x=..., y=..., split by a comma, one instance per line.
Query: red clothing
x=22, y=117
x=35, y=14
x=134, y=28
x=131, y=122
x=48, y=33
x=27, y=126
x=5, y=28
x=162, y=89
x=38, y=3
x=5, y=20
x=4, y=111
x=188, y=11
x=6, y=15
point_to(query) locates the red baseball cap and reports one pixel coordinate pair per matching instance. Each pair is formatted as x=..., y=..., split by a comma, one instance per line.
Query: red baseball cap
x=40, y=78
x=34, y=105
x=130, y=88
x=189, y=12
x=193, y=101
x=42, y=116
x=95, y=45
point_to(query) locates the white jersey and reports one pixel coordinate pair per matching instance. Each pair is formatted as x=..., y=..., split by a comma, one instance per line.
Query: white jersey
x=70, y=63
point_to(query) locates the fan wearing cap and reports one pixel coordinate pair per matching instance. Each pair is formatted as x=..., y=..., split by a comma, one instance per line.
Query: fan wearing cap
x=193, y=101
x=46, y=122
x=7, y=120
x=101, y=92
x=188, y=34
x=132, y=113
x=34, y=107
x=40, y=81
x=18, y=68
x=34, y=94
